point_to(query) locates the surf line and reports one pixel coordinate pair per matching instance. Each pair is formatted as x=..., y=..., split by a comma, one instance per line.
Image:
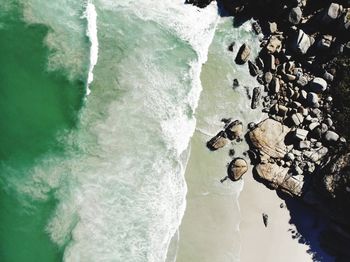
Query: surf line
x=90, y=15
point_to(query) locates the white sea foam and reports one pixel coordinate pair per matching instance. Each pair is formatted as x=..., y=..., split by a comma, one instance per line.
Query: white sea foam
x=121, y=187
x=91, y=32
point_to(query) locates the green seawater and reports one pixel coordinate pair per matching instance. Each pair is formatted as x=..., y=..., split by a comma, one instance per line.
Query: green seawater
x=35, y=107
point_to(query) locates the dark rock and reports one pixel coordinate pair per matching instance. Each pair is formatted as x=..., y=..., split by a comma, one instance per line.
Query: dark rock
x=265, y=219
x=333, y=12
x=253, y=69
x=318, y=85
x=260, y=63
x=312, y=99
x=256, y=28
x=325, y=42
x=199, y=3
x=243, y=54
x=235, y=83
x=230, y=47
x=251, y=125
x=231, y=152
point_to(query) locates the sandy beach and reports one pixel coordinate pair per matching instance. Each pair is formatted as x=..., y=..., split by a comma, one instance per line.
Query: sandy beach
x=223, y=222
x=275, y=242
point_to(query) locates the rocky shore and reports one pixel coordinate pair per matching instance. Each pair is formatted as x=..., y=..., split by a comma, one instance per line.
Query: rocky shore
x=303, y=88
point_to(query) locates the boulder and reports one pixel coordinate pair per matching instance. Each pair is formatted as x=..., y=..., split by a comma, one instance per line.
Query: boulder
x=256, y=97
x=312, y=126
x=272, y=27
x=274, y=86
x=331, y=137
x=318, y=85
x=302, y=42
x=295, y=15
x=278, y=177
x=333, y=12
x=237, y=168
x=302, y=81
x=253, y=69
x=269, y=137
x=243, y=54
x=325, y=42
x=290, y=157
x=316, y=155
x=300, y=134
x=328, y=76
x=234, y=130
x=282, y=110
x=270, y=63
x=297, y=119
x=304, y=145
x=199, y=3
x=256, y=28
x=274, y=44
x=218, y=141
x=313, y=99
x=260, y=63
x=268, y=77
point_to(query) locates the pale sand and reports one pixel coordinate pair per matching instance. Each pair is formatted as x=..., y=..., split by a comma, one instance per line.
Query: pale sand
x=273, y=243
x=213, y=228
x=209, y=229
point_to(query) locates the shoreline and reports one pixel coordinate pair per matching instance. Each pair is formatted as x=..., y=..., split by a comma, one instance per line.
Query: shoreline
x=299, y=138
x=210, y=230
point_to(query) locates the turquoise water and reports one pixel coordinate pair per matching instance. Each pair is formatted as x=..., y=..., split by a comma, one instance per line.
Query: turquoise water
x=35, y=106
x=97, y=178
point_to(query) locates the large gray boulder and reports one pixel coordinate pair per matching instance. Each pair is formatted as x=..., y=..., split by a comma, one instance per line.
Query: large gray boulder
x=269, y=136
x=278, y=177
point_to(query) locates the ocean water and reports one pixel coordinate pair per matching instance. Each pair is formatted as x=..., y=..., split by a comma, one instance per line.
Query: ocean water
x=97, y=111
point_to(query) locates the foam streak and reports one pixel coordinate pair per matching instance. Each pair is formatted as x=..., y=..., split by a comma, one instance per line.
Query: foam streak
x=91, y=32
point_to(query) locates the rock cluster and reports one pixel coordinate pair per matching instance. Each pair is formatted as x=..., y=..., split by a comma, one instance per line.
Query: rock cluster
x=233, y=130
x=295, y=88
x=297, y=149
